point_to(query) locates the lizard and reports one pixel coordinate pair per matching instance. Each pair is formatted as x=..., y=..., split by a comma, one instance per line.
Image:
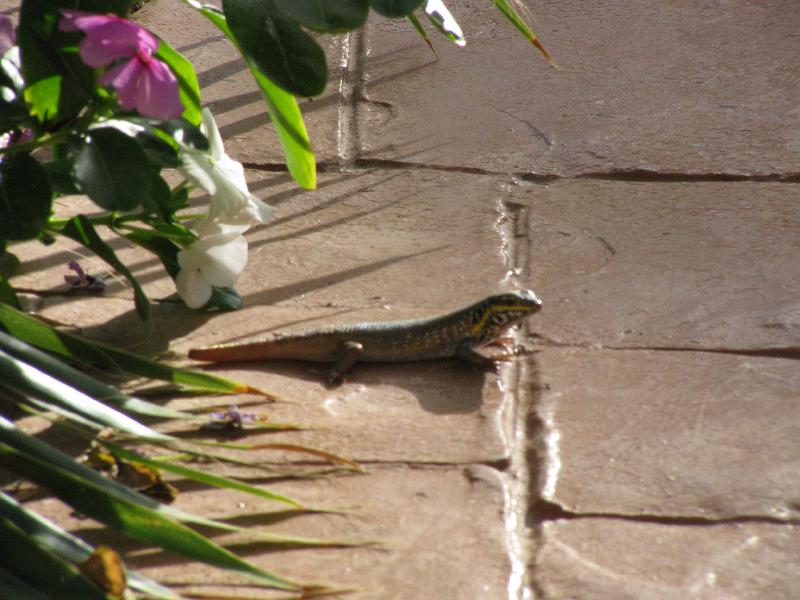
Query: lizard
x=456, y=334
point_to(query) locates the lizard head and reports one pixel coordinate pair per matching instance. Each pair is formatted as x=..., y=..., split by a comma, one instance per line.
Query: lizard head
x=496, y=314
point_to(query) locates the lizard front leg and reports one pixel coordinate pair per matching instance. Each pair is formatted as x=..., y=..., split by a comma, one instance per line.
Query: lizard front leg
x=467, y=352
x=346, y=355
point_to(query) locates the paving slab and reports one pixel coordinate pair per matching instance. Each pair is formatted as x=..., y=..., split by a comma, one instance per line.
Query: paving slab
x=700, y=87
x=229, y=90
x=681, y=434
x=435, y=533
x=691, y=265
x=607, y=559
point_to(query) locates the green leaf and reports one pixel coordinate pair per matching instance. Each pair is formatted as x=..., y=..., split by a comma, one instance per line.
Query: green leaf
x=83, y=382
x=160, y=148
x=517, y=21
x=13, y=438
x=25, y=197
x=104, y=501
x=60, y=84
x=174, y=231
x=188, y=87
x=51, y=537
x=200, y=476
x=44, y=97
x=12, y=587
x=27, y=380
x=225, y=298
x=288, y=121
x=7, y=293
x=158, y=197
x=394, y=8
x=165, y=249
x=112, y=169
x=278, y=46
x=45, y=337
x=283, y=111
x=324, y=15
x=59, y=172
x=421, y=31
x=41, y=569
x=81, y=230
x=178, y=200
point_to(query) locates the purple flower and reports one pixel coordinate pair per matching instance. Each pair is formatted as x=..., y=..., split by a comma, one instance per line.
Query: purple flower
x=142, y=82
x=82, y=280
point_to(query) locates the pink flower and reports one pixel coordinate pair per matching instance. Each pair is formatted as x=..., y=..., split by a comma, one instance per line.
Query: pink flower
x=8, y=36
x=142, y=82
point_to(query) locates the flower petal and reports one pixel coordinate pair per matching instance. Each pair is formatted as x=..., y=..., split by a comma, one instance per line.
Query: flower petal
x=125, y=78
x=196, y=167
x=227, y=263
x=158, y=92
x=209, y=129
x=193, y=257
x=108, y=37
x=193, y=288
x=8, y=35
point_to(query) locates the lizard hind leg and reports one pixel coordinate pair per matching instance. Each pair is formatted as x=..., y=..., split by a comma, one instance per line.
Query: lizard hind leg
x=346, y=355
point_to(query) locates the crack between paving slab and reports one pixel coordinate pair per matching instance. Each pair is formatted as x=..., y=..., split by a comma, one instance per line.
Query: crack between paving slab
x=348, y=154
x=517, y=409
x=545, y=510
x=784, y=352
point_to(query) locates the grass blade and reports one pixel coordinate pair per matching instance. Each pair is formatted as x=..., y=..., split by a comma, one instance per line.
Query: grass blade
x=69, y=547
x=43, y=336
x=16, y=440
x=101, y=502
x=27, y=379
x=517, y=21
x=21, y=556
x=12, y=587
x=199, y=476
x=412, y=18
x=80, y=381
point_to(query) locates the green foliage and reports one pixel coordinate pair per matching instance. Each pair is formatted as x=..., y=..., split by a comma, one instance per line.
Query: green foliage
x=395, y=8
x=59, y=83
x=283, y=111
x=278, y=46
x=324, y=15
x=25, y=197
x=111, y=168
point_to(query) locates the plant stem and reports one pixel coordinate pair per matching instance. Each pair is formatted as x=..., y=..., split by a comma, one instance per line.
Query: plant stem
x=110, y=220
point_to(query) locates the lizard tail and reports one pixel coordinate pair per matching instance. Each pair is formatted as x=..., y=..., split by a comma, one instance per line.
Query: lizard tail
x=228, y=353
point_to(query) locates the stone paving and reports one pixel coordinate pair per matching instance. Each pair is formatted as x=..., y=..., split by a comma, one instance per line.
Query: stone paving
x=647, y=442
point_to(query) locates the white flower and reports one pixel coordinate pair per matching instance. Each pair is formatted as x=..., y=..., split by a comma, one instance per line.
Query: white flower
x=216, y=259
x=223, y=178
